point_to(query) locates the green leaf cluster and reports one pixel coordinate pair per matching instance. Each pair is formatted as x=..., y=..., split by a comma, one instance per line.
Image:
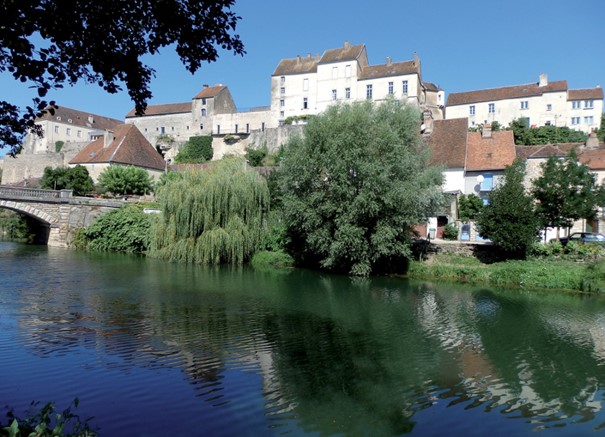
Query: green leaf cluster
x=119, y=179
x=212, y=216
x=127, y=229
x=68, y=178
x=195, y=151
x=255, y=157
x=469, y=206
x=356, y=185
x=509, y=219
x=529, y=136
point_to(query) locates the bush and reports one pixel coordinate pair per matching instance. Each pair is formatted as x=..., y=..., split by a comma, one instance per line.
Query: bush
x=450, y=232
x=268, y=259
x=255, y=156
x=119, y=179
x=67, y=178
x=195, y=151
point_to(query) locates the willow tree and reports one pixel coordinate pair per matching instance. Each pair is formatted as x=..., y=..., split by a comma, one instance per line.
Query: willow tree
x=211, y=216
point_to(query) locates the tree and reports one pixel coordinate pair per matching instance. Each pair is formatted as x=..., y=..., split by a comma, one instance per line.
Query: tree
x=68, y=178
x=195, y=151
x=50, y=44
x=119, y=179
x=469, y=206
x=566, y=191
x=212, y=216
x=355, y=185
x=255, y=157
x=508, y=219
x=529, y=136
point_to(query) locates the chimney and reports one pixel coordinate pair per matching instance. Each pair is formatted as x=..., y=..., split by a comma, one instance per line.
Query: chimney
x=592, y=142
x=298, y=59
x=347, y=45
x=486, y=130
x=543, y=80
x=107, y=138
x=206, y=85
x=388, y=60
x=91, y=119
x=416, y=59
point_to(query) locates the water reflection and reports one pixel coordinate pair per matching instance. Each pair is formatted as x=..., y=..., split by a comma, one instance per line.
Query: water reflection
x=332, y=355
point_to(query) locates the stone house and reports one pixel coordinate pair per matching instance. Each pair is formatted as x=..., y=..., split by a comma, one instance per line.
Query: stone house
x=125, y=145
x=542, y=103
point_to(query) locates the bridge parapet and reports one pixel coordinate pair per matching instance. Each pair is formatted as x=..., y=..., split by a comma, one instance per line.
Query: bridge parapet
x=34, y=193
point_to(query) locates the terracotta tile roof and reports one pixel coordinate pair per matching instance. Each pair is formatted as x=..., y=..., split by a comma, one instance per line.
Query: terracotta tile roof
x=509, y=92
x=493, y=153
x=431, y=86
x=128, y=147
x=80, y=118
x=342, y=54
x=594, y=158
x=448, y=142
x=392, y=69
x=210, y=91
x=585, y=94
x=544, y=150
x=169, y=108
x=298, y=65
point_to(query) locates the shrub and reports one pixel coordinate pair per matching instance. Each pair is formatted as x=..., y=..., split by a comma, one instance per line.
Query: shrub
x=119, y=179
x=58, y=146
x=195, y=151
x=450, y=232
x=255, y=156
x=268, y=259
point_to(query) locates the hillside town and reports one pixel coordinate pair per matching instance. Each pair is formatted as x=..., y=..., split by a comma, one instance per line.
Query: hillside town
x=459, y=130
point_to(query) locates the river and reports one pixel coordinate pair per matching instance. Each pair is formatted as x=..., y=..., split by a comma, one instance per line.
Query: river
x=158, y=349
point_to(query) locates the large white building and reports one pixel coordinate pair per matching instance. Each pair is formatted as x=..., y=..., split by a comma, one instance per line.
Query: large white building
x=542, y=104
x=308, y=85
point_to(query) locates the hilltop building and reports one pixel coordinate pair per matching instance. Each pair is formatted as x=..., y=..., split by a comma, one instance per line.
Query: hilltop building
x=542, y=103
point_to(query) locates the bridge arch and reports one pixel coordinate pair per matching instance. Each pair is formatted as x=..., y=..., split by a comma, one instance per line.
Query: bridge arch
x=41, y=222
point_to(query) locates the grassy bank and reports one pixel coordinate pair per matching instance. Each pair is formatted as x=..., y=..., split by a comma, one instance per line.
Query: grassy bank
x=538, y=273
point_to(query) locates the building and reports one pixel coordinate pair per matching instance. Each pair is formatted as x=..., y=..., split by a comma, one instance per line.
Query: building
x=307, y=85
x=126, y=146
x=67, y=126
x=542, y=103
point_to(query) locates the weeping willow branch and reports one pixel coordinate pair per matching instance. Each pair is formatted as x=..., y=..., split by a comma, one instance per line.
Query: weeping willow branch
x=211, y=216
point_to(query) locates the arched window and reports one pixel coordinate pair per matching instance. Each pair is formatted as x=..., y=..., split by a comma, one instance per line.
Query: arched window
x=203, y=112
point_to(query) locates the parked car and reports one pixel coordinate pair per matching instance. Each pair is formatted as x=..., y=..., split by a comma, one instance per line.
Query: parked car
x=584, y=237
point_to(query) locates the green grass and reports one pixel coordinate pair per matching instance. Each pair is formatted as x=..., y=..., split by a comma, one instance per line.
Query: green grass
x=544, y=273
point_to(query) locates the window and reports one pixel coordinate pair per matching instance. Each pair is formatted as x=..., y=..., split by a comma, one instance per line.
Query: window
x=172, y=128
x=347, y=93
x=491, y=108
x=282, y=114
x=524, y=104
x=549, y=107
x=79, y=134
x=575, y=104
x=262, y=126
x=390, y=88
x=201, y=127
x=187, y=129
x=588, y=104
x=282, y=103
x=56, y=129
x=334, y=72
x=247, y=127
x=282, y=90
x=236, y=128
x=203, y=100
x=588, y=120
x=488, y=182
x=471, y=110
x=334, y=94
x=305, y=84
x=368, y=91
x=404, y=87
x=162, y=130
x=203, y=112
x=68, y=131
x=305, y=103
x=218, y=129
x=575, y=120
x=547, y=123
x=282, y=80
x=347, y=70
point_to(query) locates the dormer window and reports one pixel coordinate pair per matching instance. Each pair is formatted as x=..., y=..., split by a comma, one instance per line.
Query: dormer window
x=58, y=118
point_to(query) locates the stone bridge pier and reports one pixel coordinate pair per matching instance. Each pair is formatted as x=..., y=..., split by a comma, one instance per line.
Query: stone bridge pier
x=58, y=214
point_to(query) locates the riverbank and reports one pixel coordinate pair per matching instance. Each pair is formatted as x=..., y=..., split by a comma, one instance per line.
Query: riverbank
x=478, y=265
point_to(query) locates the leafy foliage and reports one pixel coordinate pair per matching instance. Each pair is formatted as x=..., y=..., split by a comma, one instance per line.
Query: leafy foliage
x=126, y=229
x=119, y=179
x=529, y=136
x=508, y=220
x=601, y=131
x=14, y=226
x=450, y=232
x=212, y=216
x=67, y=178
x=354, y=187
x=469, y=205
x=255, y=157
x=195, y=151
x=59, y=145
x=48, y=423
x=566, y=191
x=57, y=43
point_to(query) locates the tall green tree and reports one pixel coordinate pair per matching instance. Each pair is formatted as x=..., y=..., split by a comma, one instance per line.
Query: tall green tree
x=355, y=185
x=119, y=179
x=469, y=206
x=51, y=43
x=212, y=216
x=67, y=178
x=508, y=219
x=566, y=191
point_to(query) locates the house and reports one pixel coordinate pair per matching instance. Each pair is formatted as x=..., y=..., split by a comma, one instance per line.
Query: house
x=308, y=85
x=67, y=126
x=125, y=145
x=542, y=103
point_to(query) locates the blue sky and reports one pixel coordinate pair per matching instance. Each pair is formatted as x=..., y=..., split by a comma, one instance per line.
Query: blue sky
x=463, y=45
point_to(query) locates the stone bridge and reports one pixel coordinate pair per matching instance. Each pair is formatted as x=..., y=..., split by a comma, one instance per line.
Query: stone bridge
x=57, y=214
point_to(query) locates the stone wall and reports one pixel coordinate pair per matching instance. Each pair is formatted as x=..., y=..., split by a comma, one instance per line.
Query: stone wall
x=18, y=170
